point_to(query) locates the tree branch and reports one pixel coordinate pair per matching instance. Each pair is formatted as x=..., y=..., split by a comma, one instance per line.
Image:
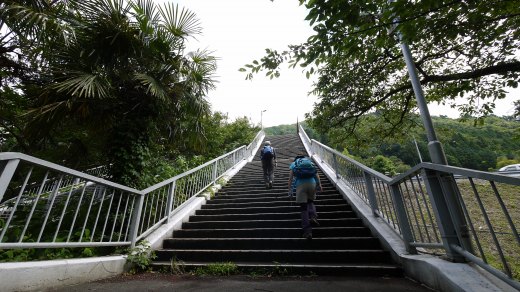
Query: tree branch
x=501, y=68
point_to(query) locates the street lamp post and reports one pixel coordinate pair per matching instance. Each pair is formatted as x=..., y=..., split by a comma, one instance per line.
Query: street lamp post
x=261, y=124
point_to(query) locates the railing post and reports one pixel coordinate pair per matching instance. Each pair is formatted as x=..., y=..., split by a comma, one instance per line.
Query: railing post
x=452, y=226
x=170, y=201
x=136, y=218
x=371, y=193
x=335, y=161
x=215, y=172
x=7, y=169
x=404, y=224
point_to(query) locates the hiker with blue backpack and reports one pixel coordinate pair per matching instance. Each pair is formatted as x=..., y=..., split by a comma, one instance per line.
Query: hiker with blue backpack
x=306, y=184
x=268, y=158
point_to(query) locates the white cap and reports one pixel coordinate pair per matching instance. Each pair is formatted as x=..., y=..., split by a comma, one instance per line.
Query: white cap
x=267, y=143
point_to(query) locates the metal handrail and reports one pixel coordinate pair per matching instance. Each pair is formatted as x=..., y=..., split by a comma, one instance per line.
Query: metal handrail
x=170, y=180
x=416, y=205
x=48, y=205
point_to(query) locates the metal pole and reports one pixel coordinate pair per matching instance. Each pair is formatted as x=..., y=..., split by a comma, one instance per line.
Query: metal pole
x=261, y=124
x=445, y=185
x=136, y=218
x=434, y=146
x=7, y=169
x=371, y=193
x=417, y=148
x=215, y=167
x=170, y=201
x=406, y=229
x=335, y=160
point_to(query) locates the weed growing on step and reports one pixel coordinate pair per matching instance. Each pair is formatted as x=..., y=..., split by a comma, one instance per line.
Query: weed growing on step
x=278, y=270
x=274, y=271
x=217, y=269
x=177, y=267
x=140, y=257
x=221, y=181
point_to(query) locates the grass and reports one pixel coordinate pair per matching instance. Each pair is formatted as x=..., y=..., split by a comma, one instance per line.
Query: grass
x=226, y=269
x=499, y=223
x=217, y=269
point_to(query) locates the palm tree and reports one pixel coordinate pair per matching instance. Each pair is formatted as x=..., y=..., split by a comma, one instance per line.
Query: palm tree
x=26, y=27
x=119, y=78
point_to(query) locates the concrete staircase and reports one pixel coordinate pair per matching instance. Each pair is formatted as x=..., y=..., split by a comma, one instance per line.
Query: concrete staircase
x=259, y=228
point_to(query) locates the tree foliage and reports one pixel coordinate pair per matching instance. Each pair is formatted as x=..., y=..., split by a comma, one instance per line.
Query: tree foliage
x=106, y=82
x=461, y=48
x=484, y=147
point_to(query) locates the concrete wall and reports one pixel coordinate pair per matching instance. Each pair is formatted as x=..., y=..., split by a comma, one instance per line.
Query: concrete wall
x=36, y=276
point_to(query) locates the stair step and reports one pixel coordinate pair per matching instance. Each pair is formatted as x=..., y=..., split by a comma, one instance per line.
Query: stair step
x=276, y=209
x=281, y=256
x=257, y=179
x=286, y=202
x=346, y=269
x=261, y=190
x=271, y=232
x=357, y=243
x=294, y=223
x=270, y=198
x=269, y=216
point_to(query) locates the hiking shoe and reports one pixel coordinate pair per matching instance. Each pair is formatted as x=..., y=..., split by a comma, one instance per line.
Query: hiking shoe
x=314, y=221
x=307, y=235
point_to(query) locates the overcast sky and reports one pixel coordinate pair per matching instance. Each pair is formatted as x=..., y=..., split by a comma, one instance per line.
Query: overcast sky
x=238, y=31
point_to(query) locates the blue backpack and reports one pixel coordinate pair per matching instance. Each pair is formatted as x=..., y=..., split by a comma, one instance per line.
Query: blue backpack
x=304, y=168
x=268, y=153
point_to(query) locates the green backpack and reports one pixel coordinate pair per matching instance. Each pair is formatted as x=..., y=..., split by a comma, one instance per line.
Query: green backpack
x=304, y=168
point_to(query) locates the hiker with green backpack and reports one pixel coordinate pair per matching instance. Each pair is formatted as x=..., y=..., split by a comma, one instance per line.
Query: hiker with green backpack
x=306, y=184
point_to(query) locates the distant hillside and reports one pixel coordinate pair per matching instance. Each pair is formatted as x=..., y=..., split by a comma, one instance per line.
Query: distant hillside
x=486, y=146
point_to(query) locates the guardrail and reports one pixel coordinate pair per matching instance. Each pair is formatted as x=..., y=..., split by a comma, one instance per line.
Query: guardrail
x=45, y=205
x=473, y=218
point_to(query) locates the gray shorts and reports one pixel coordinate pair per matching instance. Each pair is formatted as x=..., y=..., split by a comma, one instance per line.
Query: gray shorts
x=305, y=192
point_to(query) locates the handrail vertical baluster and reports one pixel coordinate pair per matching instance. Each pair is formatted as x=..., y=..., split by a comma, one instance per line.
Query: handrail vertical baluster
x=134, y=225
x=371, y=193
x=406, y=229
x=7, y=170
x=171, y=192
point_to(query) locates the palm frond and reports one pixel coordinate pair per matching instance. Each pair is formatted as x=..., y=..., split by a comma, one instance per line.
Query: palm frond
x=38, y=22
x=146, y=19
x=199, y=70
x=183, y=23
x=84, y=85
x=94, y=9
x=154, y=87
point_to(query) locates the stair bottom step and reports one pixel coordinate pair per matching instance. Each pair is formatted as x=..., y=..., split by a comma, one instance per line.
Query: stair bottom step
x=322, y=269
